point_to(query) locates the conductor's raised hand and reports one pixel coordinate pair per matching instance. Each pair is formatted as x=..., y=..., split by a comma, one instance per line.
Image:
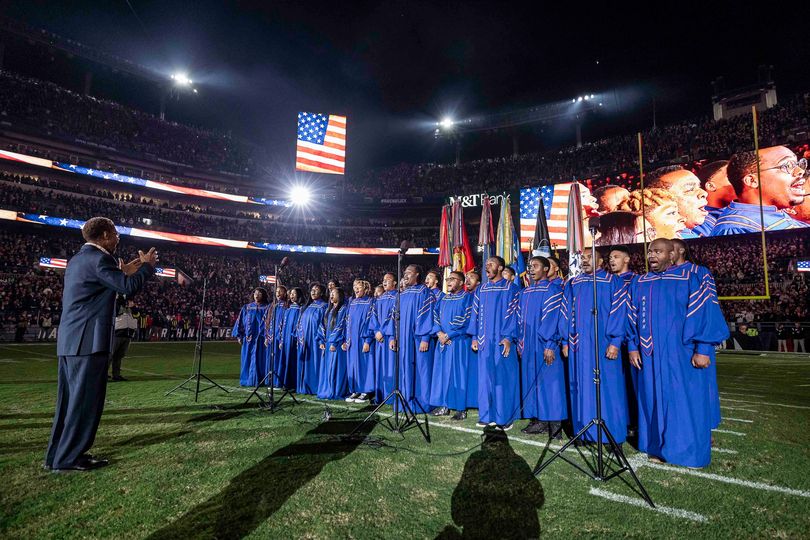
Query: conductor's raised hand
x=131, y=267
x=150, y=257
x=635, y=359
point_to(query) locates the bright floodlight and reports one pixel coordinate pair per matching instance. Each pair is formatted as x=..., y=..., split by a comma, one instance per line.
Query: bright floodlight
x=181, y=79
x=579, y=98
x=446, y=122
x=591, y=96
x=300, y=195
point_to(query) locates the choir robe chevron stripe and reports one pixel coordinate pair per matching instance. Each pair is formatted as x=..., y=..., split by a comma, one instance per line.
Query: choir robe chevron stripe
x=543, y=386
x=382, y=321
x=494, y=318
x=630, y=374
x=309, y=350
x=672, y=316
x=333, y=382
x=576, y=330
x=272, y=326
x=707, y=281
x=451, y=363
x=287, y=344
x=415, y=326
x=250, y=327
x=360, y=365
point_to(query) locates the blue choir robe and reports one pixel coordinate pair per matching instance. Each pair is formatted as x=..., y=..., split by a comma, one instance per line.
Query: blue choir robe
x=704, y=229
x=287, y=348
x=249, y=327
x=360, y=365
x=707, y=281
x=494, y=318
x=630, y=374
x=451, y=362
x=543, y=387
x=309, y=354
x=382, y=320
x=576, y=331
x=437, y=293
x=272, y=325
x=415, y=326
x=739, y=218
x=672, y=316
x=333, y=382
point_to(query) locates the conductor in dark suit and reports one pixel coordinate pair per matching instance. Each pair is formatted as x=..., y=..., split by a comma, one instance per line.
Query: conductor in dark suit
x=92, y=280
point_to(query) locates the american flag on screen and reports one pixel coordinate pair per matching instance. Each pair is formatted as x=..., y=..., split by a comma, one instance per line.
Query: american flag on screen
x=555, y=202
x=48, y=262
x=166, y=272
x=321, y=143
x=803, y=266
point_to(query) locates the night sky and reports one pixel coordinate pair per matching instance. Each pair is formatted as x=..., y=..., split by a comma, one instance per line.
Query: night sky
x=395, y=67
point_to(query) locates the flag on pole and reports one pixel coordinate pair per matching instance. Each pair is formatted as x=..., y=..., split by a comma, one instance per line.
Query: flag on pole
x=166, y=272
x=508, y=245
x=321, y=143
x=445, y=260
x=485, y=232
x=575, y=241
x=803, y=266
x=463, y=260
x=270, y=280
x=541, y=244
x=554, y=201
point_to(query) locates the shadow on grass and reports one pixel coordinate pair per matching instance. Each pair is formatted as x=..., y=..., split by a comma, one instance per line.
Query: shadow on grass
x=139, y=410
x=259, y=491
x=497, y=496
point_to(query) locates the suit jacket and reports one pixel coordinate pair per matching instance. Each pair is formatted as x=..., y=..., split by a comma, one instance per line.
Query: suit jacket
x=92, y=280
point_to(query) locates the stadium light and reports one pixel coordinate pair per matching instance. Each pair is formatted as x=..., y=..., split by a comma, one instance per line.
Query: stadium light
x=300, y=195
x=181, y=79
x=447, y=122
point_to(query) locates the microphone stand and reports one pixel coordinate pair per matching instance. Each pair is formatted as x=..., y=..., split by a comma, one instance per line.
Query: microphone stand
x=270, y=402
x=397, y=423
x=602, y=471
x=197, y=374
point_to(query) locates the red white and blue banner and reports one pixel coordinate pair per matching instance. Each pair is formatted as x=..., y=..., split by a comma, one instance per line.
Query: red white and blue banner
x=53, y=221
x=803, y=266
x=48, y=262
x=270, y=280
x=170, y=273
x=140, y=182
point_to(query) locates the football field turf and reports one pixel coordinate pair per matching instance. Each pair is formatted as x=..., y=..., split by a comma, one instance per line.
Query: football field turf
x=181, y=469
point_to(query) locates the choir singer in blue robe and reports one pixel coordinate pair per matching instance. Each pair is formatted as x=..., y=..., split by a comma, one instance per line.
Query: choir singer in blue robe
x=415, y=346
x=577, y=337
x=272, y=325
x=451, y=361
x=309, y=341
x=287, y=343
x=673, y=325
x=332, y=382
x=359, y=337
x=249, y=330
x=542, y=369
x=494, y=328
x=382, y=327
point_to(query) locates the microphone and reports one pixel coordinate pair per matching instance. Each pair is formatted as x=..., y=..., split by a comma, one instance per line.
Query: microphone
x=405, y=246
x=284, y=262
x=593, y=223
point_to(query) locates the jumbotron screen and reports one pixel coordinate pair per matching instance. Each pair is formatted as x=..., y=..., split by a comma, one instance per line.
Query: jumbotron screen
x=714, y=198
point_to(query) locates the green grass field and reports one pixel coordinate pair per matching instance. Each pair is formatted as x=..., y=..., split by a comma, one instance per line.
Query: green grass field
x=215, y=469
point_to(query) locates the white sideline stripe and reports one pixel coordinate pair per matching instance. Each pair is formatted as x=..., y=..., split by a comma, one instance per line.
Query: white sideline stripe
x=16, y=349
x=766, y=403
x=9, y=361
x=738, y=420
x=741, y=394
x=738, y=409
x=728, y=432
x=641, y=503
x=729, y=480
x=723, y=450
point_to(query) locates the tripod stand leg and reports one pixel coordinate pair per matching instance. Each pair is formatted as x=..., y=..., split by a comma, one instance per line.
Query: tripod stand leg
x=255, y=390
x=626, y=466
x=558, y=454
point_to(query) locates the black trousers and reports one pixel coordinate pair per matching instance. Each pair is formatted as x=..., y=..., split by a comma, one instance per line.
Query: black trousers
x=120, y=347
x=82, y=387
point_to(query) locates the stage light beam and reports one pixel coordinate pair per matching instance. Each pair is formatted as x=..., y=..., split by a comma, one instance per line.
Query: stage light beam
x=181, y=79
x=446, y=123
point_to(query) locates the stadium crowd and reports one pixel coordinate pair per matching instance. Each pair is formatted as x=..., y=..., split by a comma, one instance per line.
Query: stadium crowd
x=30, y=294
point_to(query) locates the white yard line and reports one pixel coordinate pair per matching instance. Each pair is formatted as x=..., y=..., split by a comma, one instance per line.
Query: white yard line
x=17, y=349
x=765, y=403
x=738, y=420
x=728, y=432
x=738, y=409
x=740, y=394
x=641, y=503
x=726, y=479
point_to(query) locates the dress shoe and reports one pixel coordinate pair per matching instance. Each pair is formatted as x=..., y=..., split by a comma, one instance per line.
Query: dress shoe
x=117, y=378
x=460, y=415
x=84, y=463
x=440, y=411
